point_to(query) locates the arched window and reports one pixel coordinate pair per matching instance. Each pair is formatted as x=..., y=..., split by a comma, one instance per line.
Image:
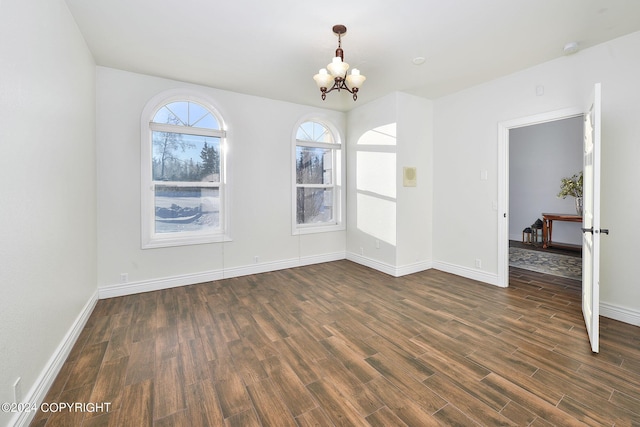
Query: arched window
x=318, y=178
x=182, y=173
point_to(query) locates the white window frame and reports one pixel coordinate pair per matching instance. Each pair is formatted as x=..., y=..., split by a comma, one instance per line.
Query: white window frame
x=338, y=179
x=149, y=238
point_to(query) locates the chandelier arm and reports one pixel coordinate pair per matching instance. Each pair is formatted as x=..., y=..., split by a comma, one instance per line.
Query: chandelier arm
x=343, y=85
x=338, y=85
x=334, y=87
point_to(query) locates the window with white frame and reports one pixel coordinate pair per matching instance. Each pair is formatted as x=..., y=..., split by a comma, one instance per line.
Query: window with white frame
x=182, y=174
x=318, y=176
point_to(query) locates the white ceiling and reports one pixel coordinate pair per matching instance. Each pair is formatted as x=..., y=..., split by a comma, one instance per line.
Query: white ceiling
x=272, y=48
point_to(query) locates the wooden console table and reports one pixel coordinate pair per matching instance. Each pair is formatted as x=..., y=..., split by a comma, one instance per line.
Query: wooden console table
x=547, y=226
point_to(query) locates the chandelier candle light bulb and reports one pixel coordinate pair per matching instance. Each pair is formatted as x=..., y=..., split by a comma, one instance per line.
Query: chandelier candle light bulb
x=355, y=79
x=323, y=78
x=338, y=68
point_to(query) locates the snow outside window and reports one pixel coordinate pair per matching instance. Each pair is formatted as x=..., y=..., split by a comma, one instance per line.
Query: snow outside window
x=182, y=175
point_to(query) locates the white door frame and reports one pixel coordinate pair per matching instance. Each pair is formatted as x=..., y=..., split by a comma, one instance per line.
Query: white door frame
x=503, y=179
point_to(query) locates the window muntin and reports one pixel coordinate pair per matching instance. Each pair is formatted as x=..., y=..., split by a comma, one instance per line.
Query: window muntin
x=186, y=113
x=185, y=197
x=317, y=176
x=314, y=131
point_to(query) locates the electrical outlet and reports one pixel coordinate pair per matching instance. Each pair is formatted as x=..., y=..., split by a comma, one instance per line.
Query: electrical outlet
x=478, y=263
x=256, y=259
x=17, y=390
x=377, y=244
x=361, y=250
x=124, y=277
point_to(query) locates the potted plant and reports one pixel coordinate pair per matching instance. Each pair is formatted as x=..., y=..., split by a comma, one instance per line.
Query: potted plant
x=572, y=187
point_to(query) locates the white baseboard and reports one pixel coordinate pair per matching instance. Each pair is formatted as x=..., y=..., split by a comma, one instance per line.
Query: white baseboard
x=123, y=289
x=612, y=311
x=131, y=288
x=281, y=265
x=318, y=259
x=389, y=269
x=416, y=267
x=622, y=314
x=371, y=263
x=392, y=270
x=44, y=381
x=469, y=273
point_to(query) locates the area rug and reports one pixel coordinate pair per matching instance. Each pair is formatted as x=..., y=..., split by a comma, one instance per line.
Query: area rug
x=546, y=262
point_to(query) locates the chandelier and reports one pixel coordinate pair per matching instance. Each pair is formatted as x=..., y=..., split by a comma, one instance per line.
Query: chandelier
x=336, y=77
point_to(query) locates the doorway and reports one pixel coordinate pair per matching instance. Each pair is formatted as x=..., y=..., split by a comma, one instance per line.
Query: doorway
x=540, y=156
x=526, y=186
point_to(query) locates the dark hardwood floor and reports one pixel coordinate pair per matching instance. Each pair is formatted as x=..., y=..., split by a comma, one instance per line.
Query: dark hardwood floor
x=341, y=344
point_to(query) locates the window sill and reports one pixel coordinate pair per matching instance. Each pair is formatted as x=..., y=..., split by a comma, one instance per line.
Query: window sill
x=324, y=228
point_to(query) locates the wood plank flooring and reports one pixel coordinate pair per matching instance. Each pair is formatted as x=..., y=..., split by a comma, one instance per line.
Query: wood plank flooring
x=338, y=344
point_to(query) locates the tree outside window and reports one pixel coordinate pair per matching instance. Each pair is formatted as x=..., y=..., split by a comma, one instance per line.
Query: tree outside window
x=316, y=193
x=185, y=175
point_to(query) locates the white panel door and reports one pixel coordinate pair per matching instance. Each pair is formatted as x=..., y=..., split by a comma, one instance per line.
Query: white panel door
x=591, y=220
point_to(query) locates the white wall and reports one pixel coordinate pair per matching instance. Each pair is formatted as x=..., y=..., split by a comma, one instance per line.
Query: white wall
x=389, y=226
x=539, y=157
x=47, y=168
x=465, y=143
x=415, y=204
x=260, y=135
